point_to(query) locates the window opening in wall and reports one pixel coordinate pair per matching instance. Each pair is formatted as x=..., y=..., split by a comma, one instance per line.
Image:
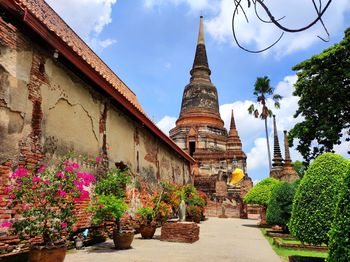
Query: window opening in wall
x=192, y=147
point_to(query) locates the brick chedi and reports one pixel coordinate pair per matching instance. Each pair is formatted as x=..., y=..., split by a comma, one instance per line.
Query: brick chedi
x=277, y=161
x=288, y=173
x=200, y=130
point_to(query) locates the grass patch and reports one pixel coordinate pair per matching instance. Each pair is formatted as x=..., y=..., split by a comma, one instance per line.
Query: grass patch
x=285, y=252
x=293, y=241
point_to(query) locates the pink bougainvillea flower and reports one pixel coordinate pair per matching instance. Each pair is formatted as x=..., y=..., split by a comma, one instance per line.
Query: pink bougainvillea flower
x=7, y=189
x=101, y=206
x=6, y=224
x=74, y=228
x=75, y=165
x=61, y=193
x=42, y=169
x=60, y=174
x=98, y=159
x=26, y=207
x=19, y=172
x=87, y=178
x=64, y=224
x=36, y=179
x=47, y=182
x=12, y=196
x=69, y=169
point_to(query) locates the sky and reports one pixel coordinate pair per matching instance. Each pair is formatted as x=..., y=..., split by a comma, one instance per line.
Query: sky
x=150, y=45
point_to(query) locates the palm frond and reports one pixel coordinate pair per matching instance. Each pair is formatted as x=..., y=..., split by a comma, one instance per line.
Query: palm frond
x=251, y=109
x=270, y=112
x=276, y=97
x=256, y=113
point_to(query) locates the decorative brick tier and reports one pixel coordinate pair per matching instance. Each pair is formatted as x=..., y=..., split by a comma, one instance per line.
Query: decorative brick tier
x=185, y=232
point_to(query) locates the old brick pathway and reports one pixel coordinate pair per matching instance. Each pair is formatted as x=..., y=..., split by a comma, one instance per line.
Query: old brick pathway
x=233, y=240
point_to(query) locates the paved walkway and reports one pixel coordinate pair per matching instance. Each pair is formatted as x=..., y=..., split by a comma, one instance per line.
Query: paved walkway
x=233, y=240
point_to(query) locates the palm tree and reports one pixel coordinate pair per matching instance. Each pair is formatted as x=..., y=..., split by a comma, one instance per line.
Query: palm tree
x=262, y=90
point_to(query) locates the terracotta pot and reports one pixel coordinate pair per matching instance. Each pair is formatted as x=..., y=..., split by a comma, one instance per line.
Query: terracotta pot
x=47, y=254
x=122, y=240
x=147, y=231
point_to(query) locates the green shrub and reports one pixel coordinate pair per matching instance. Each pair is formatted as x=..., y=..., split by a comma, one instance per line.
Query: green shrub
x=146, y=214
x=261, y=193
x=279, y=208
x=316, y=197
x=339, y=242
x=113, y=183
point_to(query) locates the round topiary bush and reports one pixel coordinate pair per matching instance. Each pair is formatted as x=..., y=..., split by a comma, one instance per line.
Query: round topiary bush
x=279, y=208
x=316, y=198
x=339, y=242
x=261, y=193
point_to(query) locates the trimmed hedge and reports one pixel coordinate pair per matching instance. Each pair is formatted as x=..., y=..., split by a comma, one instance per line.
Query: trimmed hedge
x=261, y=193
x=316, y=197
x=339, y=242
x=279, y=208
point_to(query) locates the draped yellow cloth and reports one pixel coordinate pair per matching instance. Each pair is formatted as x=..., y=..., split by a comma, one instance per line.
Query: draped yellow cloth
x=236, y=176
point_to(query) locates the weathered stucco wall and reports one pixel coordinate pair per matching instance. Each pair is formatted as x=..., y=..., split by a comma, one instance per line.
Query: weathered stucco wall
x=47, y=108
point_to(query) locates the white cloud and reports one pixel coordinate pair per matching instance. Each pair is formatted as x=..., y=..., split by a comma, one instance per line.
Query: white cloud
x=167, y=123
x=257, y=35
x=195, y=6
x=87, y=18
x=257, y=156
x=98, y=44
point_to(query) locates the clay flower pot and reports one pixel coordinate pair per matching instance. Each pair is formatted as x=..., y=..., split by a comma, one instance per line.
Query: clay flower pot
x=147, y=231
x=123, y=239
x=47, y=254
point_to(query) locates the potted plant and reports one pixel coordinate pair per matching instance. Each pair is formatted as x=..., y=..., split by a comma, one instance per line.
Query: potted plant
x=195, y=203
x=109, y=206
x=194, y=213
x=148, y=224
x=46, y=200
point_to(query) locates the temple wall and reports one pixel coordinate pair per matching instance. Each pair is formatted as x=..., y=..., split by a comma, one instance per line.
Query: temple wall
x=47, y=110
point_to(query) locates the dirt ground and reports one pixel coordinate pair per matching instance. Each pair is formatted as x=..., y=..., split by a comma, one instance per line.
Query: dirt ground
x=234, y=240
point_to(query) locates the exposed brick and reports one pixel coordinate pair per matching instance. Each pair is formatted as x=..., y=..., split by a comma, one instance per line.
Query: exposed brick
x=185, y=232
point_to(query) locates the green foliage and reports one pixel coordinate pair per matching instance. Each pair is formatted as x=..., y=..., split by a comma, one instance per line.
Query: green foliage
x=339, y=243
x=262, y=90
x=299, y=167
x=316, y=197
x=108, y=208
x=193, y=197
x=114, y=183
x=146, y=214
x=323, y=86
x=261, y=193
x=279, y=208
x=109, y=204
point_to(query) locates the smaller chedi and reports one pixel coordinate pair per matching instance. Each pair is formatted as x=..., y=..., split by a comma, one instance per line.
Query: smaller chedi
x=282, y=169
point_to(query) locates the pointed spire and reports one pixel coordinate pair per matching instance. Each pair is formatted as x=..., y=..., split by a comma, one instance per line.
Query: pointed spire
x=277, y=158
x=200, y=62
x=201, y=32
x=232, y=124
x=287, y=159
x=233, y=140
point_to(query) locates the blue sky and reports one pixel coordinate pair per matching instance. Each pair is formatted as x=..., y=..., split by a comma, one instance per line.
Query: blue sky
x=150, y=45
